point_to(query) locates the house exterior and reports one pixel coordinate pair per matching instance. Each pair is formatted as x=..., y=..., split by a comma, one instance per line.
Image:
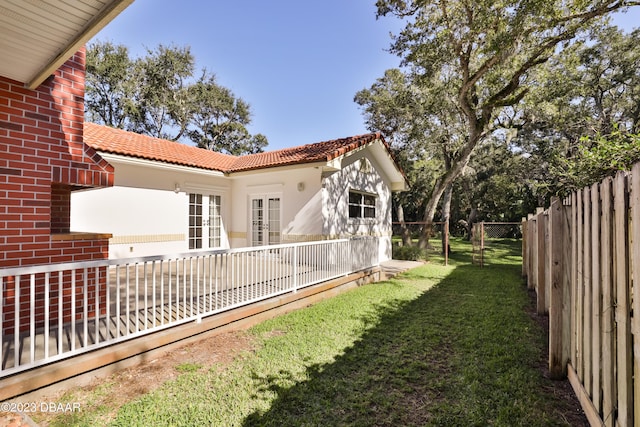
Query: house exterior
x=42, y=155
x=169, y=197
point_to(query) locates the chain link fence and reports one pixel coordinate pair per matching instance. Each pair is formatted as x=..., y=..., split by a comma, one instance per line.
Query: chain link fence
x=414, y=231
x=486, y=234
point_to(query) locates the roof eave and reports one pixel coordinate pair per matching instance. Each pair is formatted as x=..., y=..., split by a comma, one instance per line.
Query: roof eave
x=97, y=24
x=114, y=158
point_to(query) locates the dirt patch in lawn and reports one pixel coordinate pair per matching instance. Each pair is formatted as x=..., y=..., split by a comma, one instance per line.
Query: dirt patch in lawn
x=131, y=383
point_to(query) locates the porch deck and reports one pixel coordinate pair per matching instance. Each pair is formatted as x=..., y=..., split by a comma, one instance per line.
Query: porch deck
x=141, y=296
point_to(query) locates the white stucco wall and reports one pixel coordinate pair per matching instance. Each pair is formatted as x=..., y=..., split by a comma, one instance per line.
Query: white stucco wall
x=359, y=172
x=301, y=202
x=143, y=211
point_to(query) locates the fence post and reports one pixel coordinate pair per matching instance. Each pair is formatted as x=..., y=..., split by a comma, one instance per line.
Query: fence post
x=556, y=278
x=540, y=262
x=482, y=244
x=530, y=240
x=635, y=279
x=445, y=237
x=524, y=248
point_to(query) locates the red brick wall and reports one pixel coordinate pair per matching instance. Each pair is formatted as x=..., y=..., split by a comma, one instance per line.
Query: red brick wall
x=41, y=148
x=42, y=157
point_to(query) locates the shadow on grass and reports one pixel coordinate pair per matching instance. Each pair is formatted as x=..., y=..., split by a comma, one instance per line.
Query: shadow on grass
x=463, y=353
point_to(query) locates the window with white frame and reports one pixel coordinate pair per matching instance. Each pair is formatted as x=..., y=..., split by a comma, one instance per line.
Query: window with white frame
x=362, y=205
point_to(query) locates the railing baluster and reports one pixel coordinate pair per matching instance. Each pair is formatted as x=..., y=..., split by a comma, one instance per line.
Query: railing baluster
x=73, y=309
x=32, y=318
x=137, y=295
x=128, y=302
x=47, y=307
x=85, y=308
x=107, y=303
x=197, y=287
x=154, y=305
x=118, y=302
x=60, y=312
x=170, y=293
x=190, y=287
x=215, y=279
x=146, y=296
x=97, y=309
x=16, y=321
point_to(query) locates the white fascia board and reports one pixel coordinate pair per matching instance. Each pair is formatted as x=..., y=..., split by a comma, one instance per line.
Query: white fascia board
x=133, y=161
x=277, y=169
x=382, y=155
x=389, y=166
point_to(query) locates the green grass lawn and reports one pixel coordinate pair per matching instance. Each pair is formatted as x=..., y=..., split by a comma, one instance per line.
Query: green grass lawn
x=449, y=346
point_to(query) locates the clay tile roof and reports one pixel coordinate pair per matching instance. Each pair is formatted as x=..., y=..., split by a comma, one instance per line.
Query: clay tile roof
x=318, y=152
x=117, y=141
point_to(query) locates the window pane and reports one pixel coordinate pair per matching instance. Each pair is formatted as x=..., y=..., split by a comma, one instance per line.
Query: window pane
x=214, y=222
x=369, y=200
x=354, y=197
x=354, y=211
x=369, y=212
x=195, y=221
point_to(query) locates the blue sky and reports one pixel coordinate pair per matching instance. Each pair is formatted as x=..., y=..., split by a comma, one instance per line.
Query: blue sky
x=297, y=63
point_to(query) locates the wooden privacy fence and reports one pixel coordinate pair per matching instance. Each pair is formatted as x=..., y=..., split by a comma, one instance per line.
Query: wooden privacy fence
x=582, y=257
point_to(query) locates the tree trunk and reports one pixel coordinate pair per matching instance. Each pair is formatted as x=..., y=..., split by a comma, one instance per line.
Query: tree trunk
x=443, y=182
x=405, y=233
x=471, y=219
x=446, y=214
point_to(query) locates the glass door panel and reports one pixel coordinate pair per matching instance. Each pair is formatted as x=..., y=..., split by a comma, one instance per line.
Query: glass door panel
x=265, y=221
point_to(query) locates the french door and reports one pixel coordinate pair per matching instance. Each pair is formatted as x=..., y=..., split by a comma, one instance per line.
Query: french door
x=265, y=220
x=205, y=221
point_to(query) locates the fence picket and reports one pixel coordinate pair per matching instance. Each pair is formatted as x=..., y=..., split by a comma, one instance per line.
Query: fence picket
x=622, y=306
x=574, y=277
x=634, y=202
x=568, y=238
x=586, y=279
x=608, y=345
x=596, y=296
x=557, y=366
x=580, y=288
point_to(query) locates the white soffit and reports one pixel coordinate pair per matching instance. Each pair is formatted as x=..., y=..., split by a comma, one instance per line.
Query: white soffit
x=38, y=36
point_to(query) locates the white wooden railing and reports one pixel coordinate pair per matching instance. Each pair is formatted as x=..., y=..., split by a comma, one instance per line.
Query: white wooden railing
x=68, y=309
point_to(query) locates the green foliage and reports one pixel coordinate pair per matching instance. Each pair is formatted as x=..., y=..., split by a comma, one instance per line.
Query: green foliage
x=599, y=157
x=109, y=86
x=159, y=95
x=586, y=94
x=410, y=253
x=466, y=68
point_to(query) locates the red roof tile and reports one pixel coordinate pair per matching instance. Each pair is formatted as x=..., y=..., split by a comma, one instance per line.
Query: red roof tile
x=318, y=152
x=117, y=141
